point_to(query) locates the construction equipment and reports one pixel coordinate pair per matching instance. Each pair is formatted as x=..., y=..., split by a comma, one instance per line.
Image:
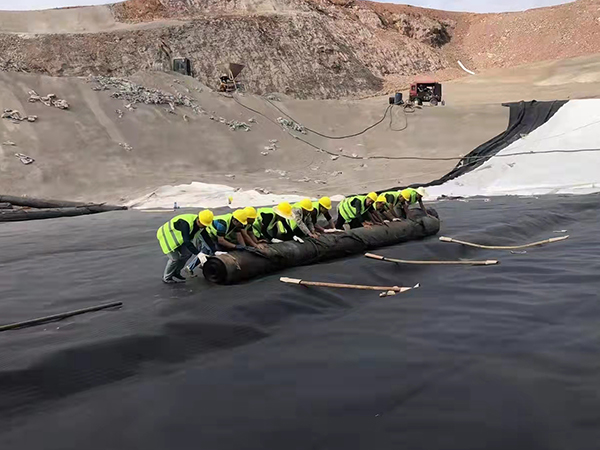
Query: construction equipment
x=183, y=66
x=227, y=80
x=429, y=91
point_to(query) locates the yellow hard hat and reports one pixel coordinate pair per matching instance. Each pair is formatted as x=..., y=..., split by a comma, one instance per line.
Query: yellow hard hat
x=306, y=204
x=250, y=212
x=284, y=209
x=325, y=202
x=381, y=199
x=241, y=216
x=406, y=194
x=372, y=196
x=206, y=217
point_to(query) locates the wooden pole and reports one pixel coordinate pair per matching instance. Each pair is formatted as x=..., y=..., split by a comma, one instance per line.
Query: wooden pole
x=345, y=286
x=32, y=322
x=507, y=247
x=489, y=262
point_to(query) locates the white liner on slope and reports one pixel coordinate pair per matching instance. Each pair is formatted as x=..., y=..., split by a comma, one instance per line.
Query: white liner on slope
x=575, y=126
x=203, y=195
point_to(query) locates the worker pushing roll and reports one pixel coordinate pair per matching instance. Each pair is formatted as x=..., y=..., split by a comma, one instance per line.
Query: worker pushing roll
x=267, y=220
x=226, y=230
x=321, y=208
x=382, y=210
x=301, y=222
x=176, y=239
x=394, y=204
x=248, y=232
x=410, y=196
x=356, y=211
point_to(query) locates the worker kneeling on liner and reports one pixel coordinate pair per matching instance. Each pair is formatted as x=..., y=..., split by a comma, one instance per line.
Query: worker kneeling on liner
x=267, y=222
x=226, y=230
x=394, y=203
x=356, y=211
x=410, y=197
x=321, y=209
x=382, y=210
x=301, y=222
x=248, y=231
x=176, y=239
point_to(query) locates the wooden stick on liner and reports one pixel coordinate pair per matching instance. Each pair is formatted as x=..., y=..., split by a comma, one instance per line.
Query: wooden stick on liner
x=388, y=290
x=489, y=262
x=508, y=247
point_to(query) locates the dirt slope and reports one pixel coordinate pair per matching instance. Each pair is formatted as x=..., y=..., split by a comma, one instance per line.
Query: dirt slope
x=78, y=155
x=304, y=48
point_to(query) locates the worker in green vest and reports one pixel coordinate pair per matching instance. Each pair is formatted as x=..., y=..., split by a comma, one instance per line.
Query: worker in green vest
x=356, y=211
x=226, y=230
x=410, y=197
x=321, y=208
x=248, y=232
x=268, y=219
x=176, y=239
x=301, y=223
x=382, y=210
x=394, y=204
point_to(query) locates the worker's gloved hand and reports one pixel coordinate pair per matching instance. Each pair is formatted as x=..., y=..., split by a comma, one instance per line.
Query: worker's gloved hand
x=396, y=220
x=386, y=221
x=220, y=253
x=276, y=241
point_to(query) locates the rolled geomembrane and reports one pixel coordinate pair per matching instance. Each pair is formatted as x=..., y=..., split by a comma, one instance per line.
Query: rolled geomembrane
x=237, y=266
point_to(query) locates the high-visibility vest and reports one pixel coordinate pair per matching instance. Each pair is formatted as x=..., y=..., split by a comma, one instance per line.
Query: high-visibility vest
x=413, y=195
x=348, y=211
x=393, y=195
x=169, y=238
x=229, y=234
x=258, y=222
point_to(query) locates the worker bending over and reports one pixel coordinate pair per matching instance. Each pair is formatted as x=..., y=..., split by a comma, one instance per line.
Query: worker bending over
x=176, y=241
x=250, y=238
x=226, y=230
x=301, y=222
x=410, y=196
x=394, y=204
x=382, y=210
x=321, y=208
x=355, y=211
x=268, y=219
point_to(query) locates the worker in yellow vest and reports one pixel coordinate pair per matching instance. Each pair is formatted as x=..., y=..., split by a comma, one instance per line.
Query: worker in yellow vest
x=302, y=223
x=356, y=211
x=382, y=210
x=321, y=208
x=394, y=204
x=410, y=197
x=248, y=232
x=269, y=220
x=226, y=230
x=176, y=239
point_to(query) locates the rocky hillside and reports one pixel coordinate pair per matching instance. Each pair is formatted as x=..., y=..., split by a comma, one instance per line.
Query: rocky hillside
x=307, y=48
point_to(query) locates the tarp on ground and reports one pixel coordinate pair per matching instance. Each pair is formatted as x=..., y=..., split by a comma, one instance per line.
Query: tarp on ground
x=478, y=358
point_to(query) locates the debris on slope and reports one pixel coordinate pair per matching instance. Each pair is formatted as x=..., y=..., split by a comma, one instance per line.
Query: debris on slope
x=133, y=93
x=235, y=125
x=291, y=124
x=24, y=158
x=48, y=100
x=9, y=143
x=16, y=116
